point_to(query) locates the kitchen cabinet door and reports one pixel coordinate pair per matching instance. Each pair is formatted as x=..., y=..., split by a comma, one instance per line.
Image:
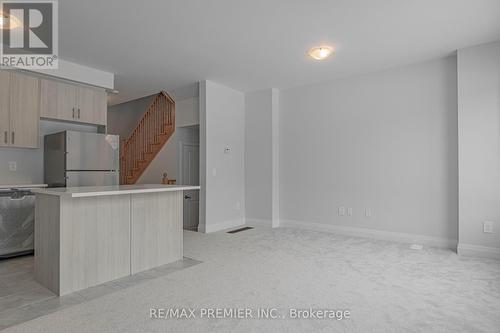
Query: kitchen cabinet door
x=24, y=110
x=4, y=108
x=85, y=102
x=100, y=107
x=58, y=100
x=92, y=105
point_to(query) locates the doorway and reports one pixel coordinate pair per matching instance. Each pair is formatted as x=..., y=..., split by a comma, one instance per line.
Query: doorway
x=190, y=175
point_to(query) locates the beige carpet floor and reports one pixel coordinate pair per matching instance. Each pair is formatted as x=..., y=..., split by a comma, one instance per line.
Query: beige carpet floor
x=386, y=287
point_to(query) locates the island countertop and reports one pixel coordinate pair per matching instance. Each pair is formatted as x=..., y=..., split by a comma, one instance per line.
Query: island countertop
x=20, y=186
x=95, y=191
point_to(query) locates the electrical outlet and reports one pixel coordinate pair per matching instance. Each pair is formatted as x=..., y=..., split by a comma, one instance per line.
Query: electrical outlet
x=12, y=166
x=488, y=227
x=349, y=211
x=341, y=211
x=368, y=212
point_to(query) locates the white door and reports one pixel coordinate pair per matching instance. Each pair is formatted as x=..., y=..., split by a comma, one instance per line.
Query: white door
x=190, y=175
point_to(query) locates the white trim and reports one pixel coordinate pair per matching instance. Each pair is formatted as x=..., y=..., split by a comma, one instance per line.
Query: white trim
x=81, y=74
x=221, y=226
x=259, y=222
x=470, y=250
x=372, y=233
x=275, y=145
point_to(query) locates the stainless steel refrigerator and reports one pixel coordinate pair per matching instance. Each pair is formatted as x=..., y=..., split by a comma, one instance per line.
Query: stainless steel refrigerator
x=81, y=159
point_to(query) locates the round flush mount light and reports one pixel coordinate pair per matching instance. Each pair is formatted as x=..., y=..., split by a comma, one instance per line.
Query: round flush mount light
x=8, y=22
x=320, y=52
x=3, y=20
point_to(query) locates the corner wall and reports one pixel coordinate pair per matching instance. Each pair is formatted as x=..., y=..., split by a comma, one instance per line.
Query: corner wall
x=479, y=149
x=222, y=174
x=261, y=157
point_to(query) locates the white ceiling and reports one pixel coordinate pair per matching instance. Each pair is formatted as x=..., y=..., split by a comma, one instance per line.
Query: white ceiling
x=255, y=44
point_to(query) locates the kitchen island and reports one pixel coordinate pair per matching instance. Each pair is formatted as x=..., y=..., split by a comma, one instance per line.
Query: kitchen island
x=85, y=236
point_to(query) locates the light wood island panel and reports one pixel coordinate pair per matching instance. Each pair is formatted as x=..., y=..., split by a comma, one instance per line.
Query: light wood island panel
x=84, y=240
x=154, y=242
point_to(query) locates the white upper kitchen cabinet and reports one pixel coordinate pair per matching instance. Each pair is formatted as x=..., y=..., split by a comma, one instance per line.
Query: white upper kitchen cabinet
x=58, y=100
x=92, y=105
x=65, y=101
x=4, y=108
x=19, y=110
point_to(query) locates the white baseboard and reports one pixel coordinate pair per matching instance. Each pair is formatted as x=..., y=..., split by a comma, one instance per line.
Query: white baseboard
x=372, y=233
x=470, y=250
x=221, y=226
x=259, y=222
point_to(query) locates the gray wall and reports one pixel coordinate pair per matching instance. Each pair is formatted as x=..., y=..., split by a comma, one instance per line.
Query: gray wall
x=222, y=176
x=479, y=146
x=30, y=161
x=386, y=142
x=122, y=118
x=258, y=155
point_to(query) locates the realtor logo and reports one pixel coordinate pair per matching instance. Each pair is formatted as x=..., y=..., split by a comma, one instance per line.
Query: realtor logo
x=29, y=34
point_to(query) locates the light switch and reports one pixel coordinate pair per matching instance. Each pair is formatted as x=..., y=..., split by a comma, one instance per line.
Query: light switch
x=214, y=172
x=488, y=227
x=12, y=166
x=349, y=211
x=341, y=211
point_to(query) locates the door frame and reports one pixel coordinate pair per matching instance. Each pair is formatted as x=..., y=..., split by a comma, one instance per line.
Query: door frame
x=181, y=156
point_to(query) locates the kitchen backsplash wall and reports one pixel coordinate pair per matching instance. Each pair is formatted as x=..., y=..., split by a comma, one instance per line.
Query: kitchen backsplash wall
x=29, y=162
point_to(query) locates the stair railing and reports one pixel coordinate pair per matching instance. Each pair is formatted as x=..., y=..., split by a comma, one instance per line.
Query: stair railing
x=140, y=148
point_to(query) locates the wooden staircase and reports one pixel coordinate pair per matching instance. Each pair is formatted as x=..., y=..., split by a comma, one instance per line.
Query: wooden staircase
x=147, y=139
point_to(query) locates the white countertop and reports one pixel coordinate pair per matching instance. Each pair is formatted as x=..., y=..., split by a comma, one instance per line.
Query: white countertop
x=25, y=186
x=95, y=191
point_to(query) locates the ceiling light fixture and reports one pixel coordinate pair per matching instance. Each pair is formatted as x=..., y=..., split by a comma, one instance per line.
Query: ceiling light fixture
x=3, y=20
x=320, y=52
x=7, y=22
